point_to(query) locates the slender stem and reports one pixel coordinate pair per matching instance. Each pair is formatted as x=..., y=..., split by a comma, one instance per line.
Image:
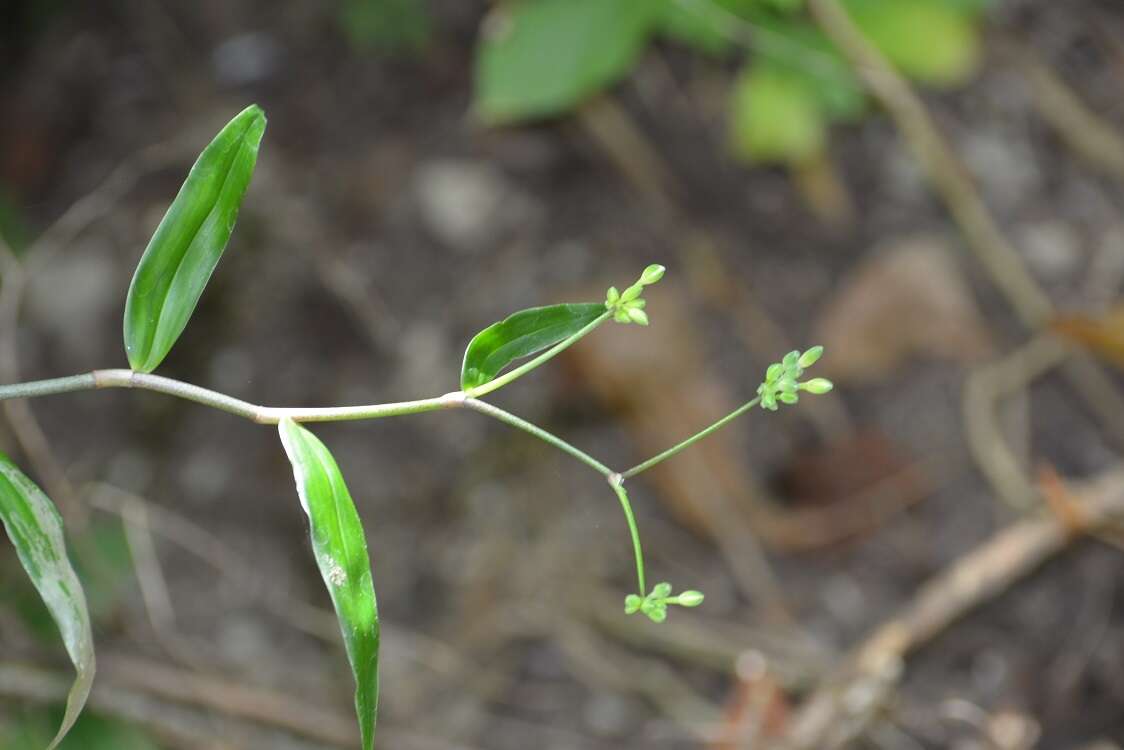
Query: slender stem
x=644, y=466
x=187, y=391
x=369, y=411
x=83, y=382
x=526, y=367
x=272, y=415
x=616, y=482
x=265, y=414
x=506, y=417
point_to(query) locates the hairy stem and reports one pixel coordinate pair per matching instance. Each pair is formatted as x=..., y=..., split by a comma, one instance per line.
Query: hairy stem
x=659, y=458
x=526, y=367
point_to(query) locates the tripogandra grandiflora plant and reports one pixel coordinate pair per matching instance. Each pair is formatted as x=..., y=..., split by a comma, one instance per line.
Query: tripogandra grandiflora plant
x=168, y=283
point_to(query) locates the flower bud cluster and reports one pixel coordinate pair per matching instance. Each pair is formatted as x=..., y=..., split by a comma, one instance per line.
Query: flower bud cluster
x=782, y=382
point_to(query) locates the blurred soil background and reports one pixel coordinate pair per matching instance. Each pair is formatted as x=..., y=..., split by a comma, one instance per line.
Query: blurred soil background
x=385, y=226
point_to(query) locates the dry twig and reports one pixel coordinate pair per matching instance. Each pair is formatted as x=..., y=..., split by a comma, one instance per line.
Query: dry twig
x=1088, y=134
x=984, y=390
x=846, y=704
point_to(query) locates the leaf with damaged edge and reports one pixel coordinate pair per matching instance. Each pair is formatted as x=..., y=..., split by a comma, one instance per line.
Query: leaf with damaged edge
x=35, y=528
x=341, y=553
x=189, y=242
x=520, y=335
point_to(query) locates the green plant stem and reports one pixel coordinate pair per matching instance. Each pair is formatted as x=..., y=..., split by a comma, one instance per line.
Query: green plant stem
x=272, y=415
x=526, y=367
x=83, y=382
x=506, y=417
x=616, y=481
x=253, y=412
x=659, y=458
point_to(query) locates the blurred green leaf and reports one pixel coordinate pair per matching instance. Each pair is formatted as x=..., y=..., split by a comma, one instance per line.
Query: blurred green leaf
x=694, y=24
x=973, y=7
x=341, y=553
x=13, y=227
x=539, y=58
x=35, y=529
x=93, y=732
x=520, y=335
x=186, y=247
x=104, y=567
x=31, y=730
x=775, y=116
x=803, y=51
x=390, y=26
x=930, y=41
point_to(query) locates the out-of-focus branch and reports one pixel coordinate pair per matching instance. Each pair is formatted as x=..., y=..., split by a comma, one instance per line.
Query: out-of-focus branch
x=848, y=701
x=953, y=183
x=948, y=174
x=1088, y=134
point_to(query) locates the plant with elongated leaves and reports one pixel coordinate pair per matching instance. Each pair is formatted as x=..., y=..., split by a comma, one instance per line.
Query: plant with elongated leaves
x=168, y=283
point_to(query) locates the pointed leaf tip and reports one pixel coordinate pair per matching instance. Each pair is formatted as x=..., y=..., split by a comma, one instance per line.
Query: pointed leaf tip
x=520, y=335
x=340, y=548
x=190, y=240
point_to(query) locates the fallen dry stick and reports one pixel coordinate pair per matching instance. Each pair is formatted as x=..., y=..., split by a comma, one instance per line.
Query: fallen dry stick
x=849, y=700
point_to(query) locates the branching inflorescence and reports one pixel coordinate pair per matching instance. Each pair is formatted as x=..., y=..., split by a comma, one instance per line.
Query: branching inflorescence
x=168, y=283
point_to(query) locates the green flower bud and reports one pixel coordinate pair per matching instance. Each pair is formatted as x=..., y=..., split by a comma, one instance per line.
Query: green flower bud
x=652, y=274
x=657, y=614
x=632, y=604
x=810, y=357
x=789, y=398
x=612, y=296
x=621, y=316
x=638, y=316
x=660, y=591
x=790, y=360
x=690, y=599
x=775, y=371
x=817, y=385
x=633, y=292
x=786, y=385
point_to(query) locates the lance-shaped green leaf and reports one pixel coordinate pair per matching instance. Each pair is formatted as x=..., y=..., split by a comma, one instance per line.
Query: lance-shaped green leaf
x=521, y=335
x=341, y=553
x=35, y=528
x=186, y=247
